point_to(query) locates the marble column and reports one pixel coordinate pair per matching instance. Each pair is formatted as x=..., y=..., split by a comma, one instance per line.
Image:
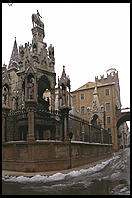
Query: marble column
x=3, y=126
x=30, y=136
x=102, y=140
x=5, y=111
x=83, y=132
x=52, y=100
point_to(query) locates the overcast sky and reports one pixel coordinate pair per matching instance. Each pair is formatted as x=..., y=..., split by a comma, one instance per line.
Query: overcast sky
x=88, y=38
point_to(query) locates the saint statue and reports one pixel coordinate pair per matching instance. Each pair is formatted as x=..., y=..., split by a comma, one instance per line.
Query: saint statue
x=51, y=51
x=31, y=88
x=5, y=95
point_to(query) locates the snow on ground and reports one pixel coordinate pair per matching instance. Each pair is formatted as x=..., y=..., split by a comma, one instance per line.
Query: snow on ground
x=58, y=176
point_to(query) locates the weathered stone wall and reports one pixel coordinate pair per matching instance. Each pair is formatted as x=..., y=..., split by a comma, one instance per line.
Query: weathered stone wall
x=50, y=155
x=84, y=153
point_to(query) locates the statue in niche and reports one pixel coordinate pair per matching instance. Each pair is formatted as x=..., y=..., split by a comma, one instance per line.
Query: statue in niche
x=31, y=88
x=63, y=96
x=5, y=95
x=44, y=57
x=27, y=50
x=51, y=51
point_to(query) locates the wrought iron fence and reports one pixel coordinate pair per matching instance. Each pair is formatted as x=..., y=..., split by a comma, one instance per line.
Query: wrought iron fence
x=12, y=132
x=83, y=131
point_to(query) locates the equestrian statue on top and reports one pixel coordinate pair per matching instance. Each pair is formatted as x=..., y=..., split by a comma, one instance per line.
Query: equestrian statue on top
x=36, y=20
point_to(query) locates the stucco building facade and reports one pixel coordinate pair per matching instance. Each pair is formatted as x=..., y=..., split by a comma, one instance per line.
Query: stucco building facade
x=98, y=101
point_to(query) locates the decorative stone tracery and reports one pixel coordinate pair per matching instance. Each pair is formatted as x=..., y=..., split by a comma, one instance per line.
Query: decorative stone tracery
x=64, y=99
x=96, y=111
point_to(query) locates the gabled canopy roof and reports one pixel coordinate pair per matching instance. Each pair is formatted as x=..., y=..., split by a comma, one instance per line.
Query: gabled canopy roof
x=14, y=56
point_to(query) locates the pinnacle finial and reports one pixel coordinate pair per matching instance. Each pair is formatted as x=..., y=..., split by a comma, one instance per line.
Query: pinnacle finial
x=95, y=89
x=14, y=55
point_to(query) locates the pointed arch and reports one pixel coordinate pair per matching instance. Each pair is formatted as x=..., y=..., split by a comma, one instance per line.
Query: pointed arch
x=43, y=84
x=43, y=87
x=94, y=119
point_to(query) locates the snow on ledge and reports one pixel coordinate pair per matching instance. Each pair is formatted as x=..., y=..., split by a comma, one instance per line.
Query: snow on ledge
x=80, y=142
x=48, y=141
x=76, y=142
x=21, y=141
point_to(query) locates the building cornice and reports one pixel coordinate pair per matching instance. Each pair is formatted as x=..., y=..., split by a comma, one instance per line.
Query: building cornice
x=92, y=87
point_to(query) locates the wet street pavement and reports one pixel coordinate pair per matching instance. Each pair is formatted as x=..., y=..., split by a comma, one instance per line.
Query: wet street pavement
x=111, y=177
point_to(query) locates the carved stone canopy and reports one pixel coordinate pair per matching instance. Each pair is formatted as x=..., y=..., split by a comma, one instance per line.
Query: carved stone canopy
x=64, y=94
x=64, y=80
x=96, y=109
x=14, y=59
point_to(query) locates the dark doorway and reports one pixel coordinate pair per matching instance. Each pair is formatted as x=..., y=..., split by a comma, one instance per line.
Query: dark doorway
x=94, y=120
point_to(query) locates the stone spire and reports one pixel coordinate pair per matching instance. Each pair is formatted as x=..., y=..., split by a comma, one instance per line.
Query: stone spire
x=13, y=63
x=65, y=80
x=63, y=72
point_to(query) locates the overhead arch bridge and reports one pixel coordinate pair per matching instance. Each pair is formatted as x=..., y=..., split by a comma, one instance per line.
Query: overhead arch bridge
x=122, y=116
